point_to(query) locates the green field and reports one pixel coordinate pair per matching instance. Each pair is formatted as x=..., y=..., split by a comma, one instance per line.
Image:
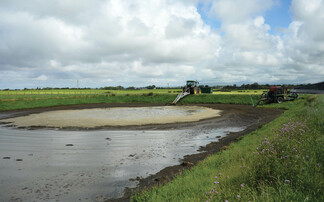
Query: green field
x=23, y=99
x=290, y=169
x=281, y=161
x=87, y=92
x=240, y=92
x=116, y=92
x=13, y=102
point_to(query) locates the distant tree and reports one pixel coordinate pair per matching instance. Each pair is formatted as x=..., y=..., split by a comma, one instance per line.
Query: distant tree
x=119, y=88
x=255, y=86
x=151, y=87
x=112, y=88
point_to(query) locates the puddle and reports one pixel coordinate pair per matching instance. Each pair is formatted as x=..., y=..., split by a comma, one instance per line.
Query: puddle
x=89, y=165
x=91, y=118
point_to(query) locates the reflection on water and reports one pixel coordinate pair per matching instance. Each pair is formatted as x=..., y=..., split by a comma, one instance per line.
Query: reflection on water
x=97, y=166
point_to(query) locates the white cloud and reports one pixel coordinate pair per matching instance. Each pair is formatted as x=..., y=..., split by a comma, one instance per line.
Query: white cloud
x=236, y=11
x=304, y=41
x=137, y=42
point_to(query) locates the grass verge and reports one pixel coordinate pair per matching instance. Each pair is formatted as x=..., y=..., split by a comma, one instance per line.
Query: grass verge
x=282, y=161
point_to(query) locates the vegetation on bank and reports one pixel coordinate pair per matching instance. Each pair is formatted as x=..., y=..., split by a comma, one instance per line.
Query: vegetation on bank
x=35, y=101
x=281, y=161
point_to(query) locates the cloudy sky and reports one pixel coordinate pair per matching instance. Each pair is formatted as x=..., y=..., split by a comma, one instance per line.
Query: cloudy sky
x=162, y=42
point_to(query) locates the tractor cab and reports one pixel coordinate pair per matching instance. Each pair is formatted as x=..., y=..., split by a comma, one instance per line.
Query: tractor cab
x=192, y=87
x=192, y=83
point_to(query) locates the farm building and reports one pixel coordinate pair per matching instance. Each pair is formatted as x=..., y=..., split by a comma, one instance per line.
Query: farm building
x=317, y=88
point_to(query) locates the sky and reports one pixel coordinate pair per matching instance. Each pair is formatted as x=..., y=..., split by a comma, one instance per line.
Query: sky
x=98, y=43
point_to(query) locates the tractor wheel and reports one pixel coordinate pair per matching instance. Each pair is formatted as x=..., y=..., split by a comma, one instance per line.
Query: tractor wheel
x=195, y=92
x=279, y=100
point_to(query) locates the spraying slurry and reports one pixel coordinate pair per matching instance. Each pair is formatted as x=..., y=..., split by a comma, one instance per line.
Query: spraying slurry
x=91, y=118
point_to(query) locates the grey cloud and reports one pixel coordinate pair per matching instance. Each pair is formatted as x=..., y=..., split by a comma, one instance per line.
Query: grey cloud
x=139, y=42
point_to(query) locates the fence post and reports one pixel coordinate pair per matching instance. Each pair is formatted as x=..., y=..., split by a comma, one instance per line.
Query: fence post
x=252, y=100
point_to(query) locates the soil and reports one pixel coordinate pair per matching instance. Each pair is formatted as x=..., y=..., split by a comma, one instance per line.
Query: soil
x=118, y=116
x=251, y=118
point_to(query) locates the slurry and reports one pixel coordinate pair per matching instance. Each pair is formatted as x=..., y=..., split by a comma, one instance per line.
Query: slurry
x=90, y=165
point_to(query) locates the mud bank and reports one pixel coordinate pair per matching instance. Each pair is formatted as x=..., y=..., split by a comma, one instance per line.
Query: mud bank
x=118, y=116
x=90, y=162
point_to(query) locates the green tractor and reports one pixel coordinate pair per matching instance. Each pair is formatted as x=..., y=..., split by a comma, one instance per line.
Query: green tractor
x=277, y=94
x=192, y=87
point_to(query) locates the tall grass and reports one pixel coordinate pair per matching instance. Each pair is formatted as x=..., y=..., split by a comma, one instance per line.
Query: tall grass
x=282, y=161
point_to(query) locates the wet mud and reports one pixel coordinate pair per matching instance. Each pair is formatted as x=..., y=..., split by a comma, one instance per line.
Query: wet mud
x=246, y=118
x=118, y=116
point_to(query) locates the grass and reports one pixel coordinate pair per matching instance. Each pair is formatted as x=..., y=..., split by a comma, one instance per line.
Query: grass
x=87, y=92
x=117, y=92
x=239, y=92
x=25, y=99
x=23, y=102
x=13, y=102
x=245, y=170
x=281, y=161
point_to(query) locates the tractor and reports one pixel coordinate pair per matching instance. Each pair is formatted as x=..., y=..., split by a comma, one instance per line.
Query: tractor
x=192, y=87
x=277, y=94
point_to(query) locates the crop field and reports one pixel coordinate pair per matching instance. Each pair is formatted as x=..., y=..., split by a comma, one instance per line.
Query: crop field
x=240, y=92
x=87, y=92
x=117, y=92
x=22, y=99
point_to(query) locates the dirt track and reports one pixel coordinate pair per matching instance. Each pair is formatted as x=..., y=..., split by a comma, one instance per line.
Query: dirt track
x=241, y=115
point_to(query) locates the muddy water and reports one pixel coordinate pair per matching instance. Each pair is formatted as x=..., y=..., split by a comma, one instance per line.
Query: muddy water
x=91, y=118
x=89, y=165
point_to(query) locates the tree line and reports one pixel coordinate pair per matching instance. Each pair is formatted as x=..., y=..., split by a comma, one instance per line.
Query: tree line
x=253, y=86
x=256, y=86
